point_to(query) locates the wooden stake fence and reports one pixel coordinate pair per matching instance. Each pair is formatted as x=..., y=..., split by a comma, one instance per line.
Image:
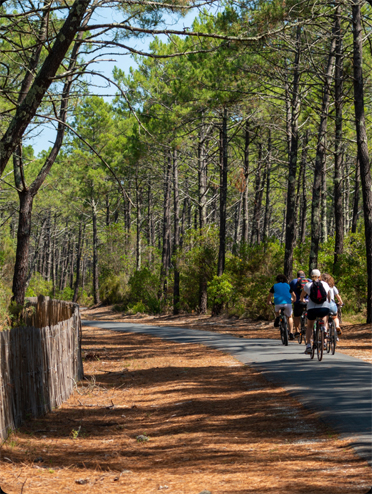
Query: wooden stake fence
x=39, y=363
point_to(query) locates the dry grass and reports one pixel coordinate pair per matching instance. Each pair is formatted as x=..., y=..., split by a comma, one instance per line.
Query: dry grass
x=211, y=422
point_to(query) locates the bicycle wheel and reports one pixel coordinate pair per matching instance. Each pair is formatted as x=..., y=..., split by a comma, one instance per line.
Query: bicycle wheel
x=284, y=332
x=333, y=338
x=320, y=343
x=313, y=345
x=330, y=333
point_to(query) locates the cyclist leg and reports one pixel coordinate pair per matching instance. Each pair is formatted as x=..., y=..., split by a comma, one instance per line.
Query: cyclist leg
x=309, y=330
x=297, y=312
x=288, y=312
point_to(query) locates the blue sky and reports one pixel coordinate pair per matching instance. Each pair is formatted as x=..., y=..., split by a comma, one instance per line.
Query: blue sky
x=44, y=137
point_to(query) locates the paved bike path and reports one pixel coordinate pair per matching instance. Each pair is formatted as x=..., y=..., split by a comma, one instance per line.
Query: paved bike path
x=339, y=387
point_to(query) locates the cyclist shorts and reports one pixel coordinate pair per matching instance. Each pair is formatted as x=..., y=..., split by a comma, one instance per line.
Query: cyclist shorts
x=312, y=314
x=287, y=309
x=298, y=309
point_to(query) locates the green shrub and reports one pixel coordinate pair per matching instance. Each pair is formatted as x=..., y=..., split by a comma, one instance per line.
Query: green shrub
x=39, y=286
x=144, y=287
x=197, y=263
x=5, y=295
x=220, y=290
x=139, y=307
x=113, y=288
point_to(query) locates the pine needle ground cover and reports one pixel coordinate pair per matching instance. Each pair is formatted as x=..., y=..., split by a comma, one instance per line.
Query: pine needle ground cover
x=158, y=416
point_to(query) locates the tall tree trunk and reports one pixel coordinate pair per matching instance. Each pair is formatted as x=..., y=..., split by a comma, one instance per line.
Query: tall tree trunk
x=108, y=215
x=23, y=242
x=166, y=252
x=356, y=199
x=290, y=231
x=362, y=141
x=95, y=254
x=324, y=226
x=339, y=217
x=245, y=234
x=78, y=261
x=304, y=188
x=267, y=203
x=176, y=246
x=346, y=196
x=49, y=249
x=202, y=175
x=53, y=257
x=138, y=229
x=72, y=264
x=320, y=150
x=223, y=196
x=238, y=213
x=256, y=233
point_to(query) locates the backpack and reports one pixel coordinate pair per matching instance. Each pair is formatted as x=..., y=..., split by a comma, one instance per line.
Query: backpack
x=317, y=293
x=301, y=282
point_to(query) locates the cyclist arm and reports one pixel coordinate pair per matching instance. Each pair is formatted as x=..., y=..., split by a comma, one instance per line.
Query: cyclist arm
x=303, y=295
x=269, y=298
x=339, y=299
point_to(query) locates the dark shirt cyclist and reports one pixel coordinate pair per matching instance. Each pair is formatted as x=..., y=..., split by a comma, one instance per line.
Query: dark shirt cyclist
x=296, y=286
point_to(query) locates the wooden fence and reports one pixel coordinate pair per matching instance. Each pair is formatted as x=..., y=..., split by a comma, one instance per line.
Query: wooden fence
x=40, y=362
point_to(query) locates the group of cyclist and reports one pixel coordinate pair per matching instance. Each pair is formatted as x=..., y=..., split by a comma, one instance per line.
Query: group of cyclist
x=317, y=296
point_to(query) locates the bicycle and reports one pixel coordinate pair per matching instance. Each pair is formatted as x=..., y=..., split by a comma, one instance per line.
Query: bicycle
x=332, y=334
x=283, y=326
x=303, y=324
x=318, y=339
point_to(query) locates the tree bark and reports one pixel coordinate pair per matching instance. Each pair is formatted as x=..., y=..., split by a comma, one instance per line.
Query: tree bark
x=23, y=242
x=324, y=225
x=304, y=198
x=95, y=254
x=245, y=234
x=290, y=231
x=176, y=245
x=362, y=142
x=267, y=203
x=166, y=252
x=356, y=199
x=223, y=195
x=202, y=175
x=78, y=261
x=339, y=218
x=256, y=230
x=138, y=229
x=320, y=150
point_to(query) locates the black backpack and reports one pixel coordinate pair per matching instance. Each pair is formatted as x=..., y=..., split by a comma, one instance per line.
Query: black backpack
x=317, y=293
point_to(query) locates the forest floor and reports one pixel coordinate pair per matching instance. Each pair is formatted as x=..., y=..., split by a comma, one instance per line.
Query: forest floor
x=356, y=339
x=154, y=415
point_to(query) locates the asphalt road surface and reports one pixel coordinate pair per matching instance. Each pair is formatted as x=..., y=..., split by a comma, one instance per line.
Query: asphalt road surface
x=339, y=387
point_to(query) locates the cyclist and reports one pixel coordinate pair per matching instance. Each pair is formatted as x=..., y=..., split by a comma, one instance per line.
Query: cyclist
x=334, y=294
x=296, y=287
x=318, y=305
x=282, y=299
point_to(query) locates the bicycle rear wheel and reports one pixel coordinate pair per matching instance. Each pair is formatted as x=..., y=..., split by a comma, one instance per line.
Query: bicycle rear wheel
x=313, y=345
x=330, y=334
x=333, y=338
x=284, y=332
x=320, y=343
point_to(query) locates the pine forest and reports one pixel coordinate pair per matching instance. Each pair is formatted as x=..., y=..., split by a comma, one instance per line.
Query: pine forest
x=174, y=157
